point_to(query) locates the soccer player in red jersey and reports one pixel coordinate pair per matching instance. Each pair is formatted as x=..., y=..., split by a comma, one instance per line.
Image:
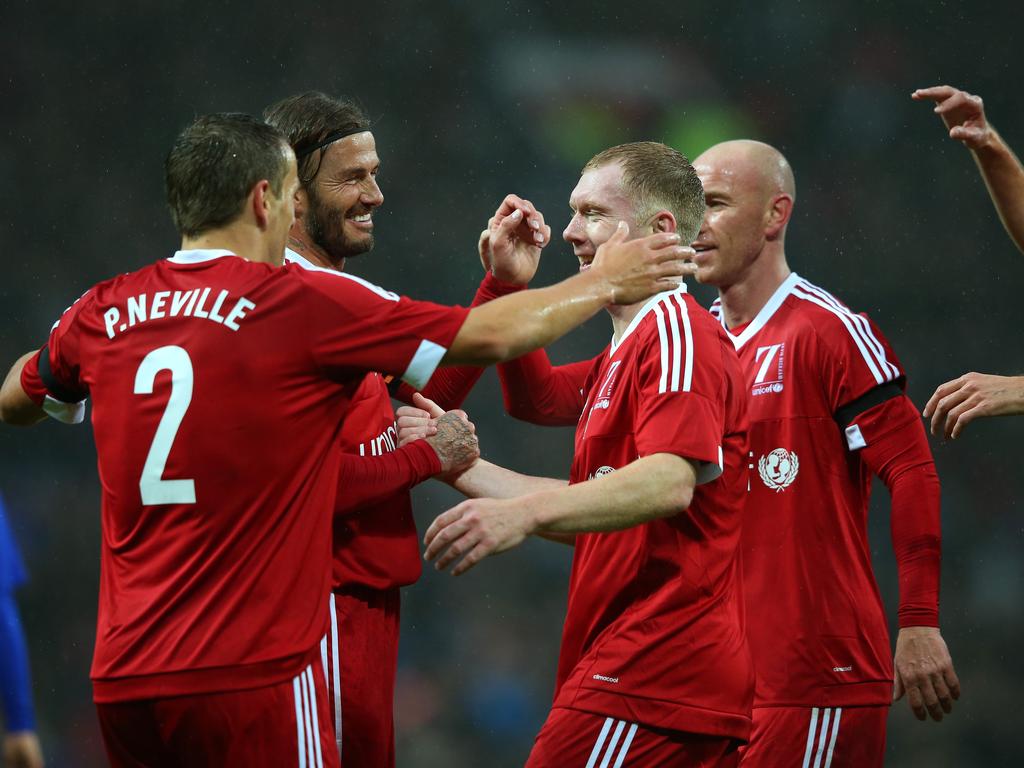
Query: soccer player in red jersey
x=957, y=403
x=376, y=546
x=219, y=380
x=827, y=411
x=654, y=668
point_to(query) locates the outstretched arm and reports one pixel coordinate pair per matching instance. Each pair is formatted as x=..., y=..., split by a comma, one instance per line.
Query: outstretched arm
x=654, y=486
x=623, y=272
x=957, y=403
x=964, y=116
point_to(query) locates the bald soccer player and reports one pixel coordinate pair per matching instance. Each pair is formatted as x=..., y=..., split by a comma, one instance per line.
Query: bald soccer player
x=828, y=410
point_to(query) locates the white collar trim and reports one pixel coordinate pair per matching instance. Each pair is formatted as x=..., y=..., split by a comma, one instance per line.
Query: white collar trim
x=199, y=255
x=644, y=310
x=766, y=313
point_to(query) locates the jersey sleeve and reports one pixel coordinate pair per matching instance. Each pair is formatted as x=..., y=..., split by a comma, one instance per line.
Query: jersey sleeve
x=53, y=378
x=354, y=325
x=365, y=480
x=857, y=358
x=449, y=387
x=680, y=380
x=539, y=393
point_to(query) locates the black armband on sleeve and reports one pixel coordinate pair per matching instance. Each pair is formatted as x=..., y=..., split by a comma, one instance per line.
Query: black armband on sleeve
x=846, y=414
x=57, y=390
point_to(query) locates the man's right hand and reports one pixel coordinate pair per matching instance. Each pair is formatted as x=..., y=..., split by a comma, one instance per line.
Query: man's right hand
x=962, y=112
x=452, y=435
x=510, y=246
x=637, y=269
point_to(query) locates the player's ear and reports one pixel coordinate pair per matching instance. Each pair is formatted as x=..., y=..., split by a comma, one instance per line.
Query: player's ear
x=259, y=200
x=301, y=201
x=663, y=221
x=779, y=211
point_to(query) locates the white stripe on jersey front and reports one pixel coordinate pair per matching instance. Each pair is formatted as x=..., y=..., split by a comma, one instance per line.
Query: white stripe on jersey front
x=832, y=740
x=625, y=746
x=811, y=730
x=862, y=325
x=335, y=673
x=844, y=318
x=599, y=743
x=316, y=720
x=306, y=721
x=300, y=735
x=611, y=744
x=821, y=738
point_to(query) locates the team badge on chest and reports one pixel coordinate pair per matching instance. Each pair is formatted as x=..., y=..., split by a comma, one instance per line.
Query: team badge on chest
x=769, y=360
x=778, y=469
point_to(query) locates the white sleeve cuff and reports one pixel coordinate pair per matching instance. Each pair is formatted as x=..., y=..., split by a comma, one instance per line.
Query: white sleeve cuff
x=423, y=364
x=69, y=413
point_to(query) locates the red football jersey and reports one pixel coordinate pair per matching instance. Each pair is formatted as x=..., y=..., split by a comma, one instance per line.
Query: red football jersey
x=654, y=627
x=218, y=387
x=377, y=545
x=814, y=615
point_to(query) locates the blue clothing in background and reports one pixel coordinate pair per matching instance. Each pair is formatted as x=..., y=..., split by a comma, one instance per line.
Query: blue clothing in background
x=15, y=686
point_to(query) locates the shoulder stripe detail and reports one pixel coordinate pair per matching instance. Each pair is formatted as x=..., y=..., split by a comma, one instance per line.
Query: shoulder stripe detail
x=676, y=350
x=881, y=375
x=293, y=258
x=673, y=324
x=862, y=325
x=688, y=335
x=663, y=338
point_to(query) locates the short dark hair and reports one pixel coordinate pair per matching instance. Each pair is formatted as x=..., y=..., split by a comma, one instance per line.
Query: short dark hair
x=214, y=164
x=307, y=119
x=658, y=177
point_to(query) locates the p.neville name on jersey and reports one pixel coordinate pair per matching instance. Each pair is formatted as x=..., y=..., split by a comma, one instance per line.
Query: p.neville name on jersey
x=190, y=303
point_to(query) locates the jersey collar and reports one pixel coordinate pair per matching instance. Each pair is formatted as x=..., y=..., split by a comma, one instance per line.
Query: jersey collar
x=199, y=255
x=766, y=313
x=644, y=310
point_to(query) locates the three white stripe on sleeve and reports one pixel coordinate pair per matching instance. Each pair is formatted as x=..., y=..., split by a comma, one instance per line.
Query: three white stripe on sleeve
x=822, y=758
x=676, y=338
x=606, y=753
x=307, y=724
x=859, y=328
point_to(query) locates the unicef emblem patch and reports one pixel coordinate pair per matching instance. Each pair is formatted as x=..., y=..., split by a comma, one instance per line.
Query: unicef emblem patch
x=778, y=469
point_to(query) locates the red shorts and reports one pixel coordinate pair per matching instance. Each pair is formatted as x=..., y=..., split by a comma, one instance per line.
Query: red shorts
x=361, y=656
x=286, y=724
x=574, y=738
x=818, y=737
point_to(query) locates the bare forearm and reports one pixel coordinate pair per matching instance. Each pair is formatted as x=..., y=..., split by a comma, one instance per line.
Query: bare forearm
x=485, y=479
x=15, y=406
x=513, y=325
x=1004, y=177
x=654, y=486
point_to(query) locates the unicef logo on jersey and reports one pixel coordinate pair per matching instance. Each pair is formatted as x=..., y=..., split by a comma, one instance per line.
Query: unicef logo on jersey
x=778, y=469
x=601, y=472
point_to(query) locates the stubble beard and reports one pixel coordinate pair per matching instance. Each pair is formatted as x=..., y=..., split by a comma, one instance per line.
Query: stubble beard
x=326, y=228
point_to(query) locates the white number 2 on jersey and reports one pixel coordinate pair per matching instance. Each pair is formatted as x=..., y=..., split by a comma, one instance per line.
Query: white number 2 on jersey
x=156, y=490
